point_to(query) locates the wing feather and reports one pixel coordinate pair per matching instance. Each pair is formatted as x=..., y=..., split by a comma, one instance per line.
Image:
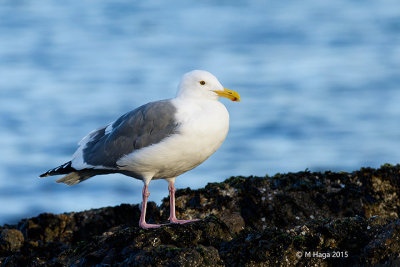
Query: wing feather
x=142, y=127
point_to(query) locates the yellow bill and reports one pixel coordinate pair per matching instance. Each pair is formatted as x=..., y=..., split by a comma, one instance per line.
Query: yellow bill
x=230, y=94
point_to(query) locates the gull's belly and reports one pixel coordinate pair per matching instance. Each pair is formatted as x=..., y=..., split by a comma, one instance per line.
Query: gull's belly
x=197, y=140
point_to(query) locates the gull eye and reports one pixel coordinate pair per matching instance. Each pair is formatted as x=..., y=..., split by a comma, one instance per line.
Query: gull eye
x=202, y=82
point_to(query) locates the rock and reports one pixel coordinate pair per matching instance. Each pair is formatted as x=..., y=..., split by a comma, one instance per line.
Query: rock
x=295, y=219
x=194, y=243
x=11, y=240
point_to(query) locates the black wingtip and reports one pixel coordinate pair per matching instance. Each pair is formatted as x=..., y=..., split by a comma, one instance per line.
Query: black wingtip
x=62, y=169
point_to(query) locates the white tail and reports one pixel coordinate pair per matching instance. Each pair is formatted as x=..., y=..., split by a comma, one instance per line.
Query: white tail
x=70, y=179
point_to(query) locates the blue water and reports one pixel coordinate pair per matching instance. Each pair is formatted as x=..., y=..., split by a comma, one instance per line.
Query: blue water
x=320, y=87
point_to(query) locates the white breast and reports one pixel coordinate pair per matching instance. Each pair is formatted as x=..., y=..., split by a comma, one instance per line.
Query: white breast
x=203, y=127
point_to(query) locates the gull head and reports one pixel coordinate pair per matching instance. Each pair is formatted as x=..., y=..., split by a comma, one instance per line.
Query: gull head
x=201, y=84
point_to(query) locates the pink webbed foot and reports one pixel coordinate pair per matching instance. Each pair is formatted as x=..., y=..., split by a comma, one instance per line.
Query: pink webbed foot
x=175, y=220
x=142, y=221
x=172, y=214
x=149, y=226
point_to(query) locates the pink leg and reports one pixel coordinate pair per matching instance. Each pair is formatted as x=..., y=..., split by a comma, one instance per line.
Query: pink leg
x=172, y=215
x=142, y=222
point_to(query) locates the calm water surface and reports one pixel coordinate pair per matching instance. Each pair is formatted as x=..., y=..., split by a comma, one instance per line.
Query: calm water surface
x=320, y=87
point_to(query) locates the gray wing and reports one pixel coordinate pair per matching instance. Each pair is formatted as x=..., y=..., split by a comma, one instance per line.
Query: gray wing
x=142, y=127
